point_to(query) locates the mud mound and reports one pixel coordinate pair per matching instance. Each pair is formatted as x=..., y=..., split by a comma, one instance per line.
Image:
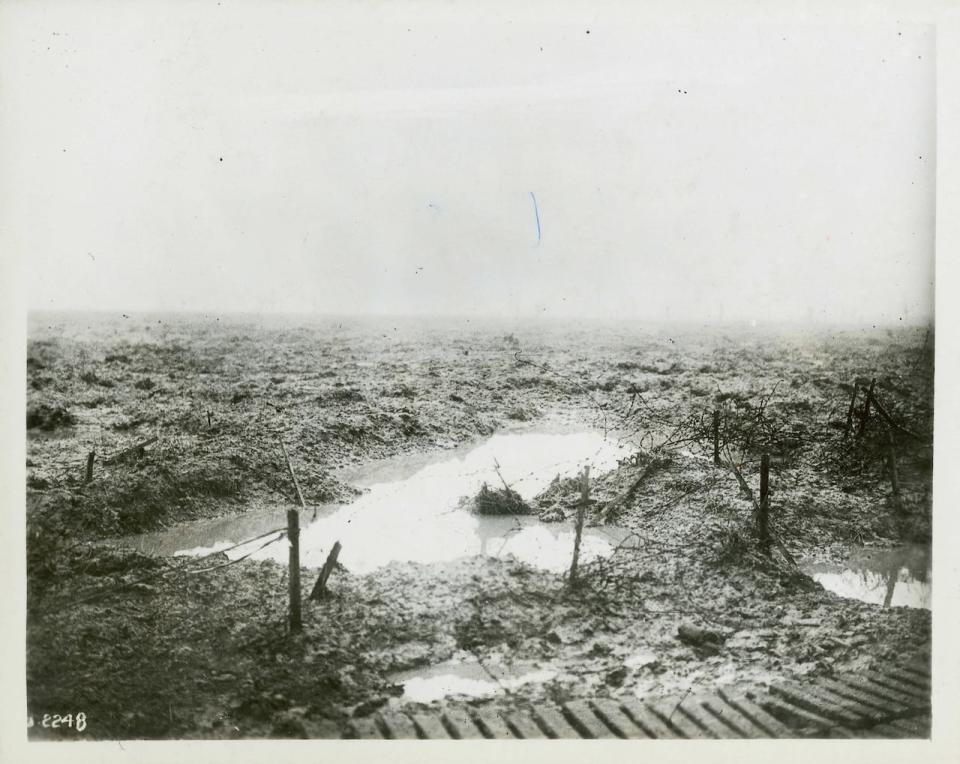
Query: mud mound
x=561, y=495
x=499, y=501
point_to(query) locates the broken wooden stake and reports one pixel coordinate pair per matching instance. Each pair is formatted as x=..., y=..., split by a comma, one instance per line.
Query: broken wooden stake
x=138, y=449
x=853, y=403
x=293, y=536
x=581, y=512
x=209, y=420
x=866, y=409
x=716, y=438
x=765, y=503
x=320, y=588
x=89, y=473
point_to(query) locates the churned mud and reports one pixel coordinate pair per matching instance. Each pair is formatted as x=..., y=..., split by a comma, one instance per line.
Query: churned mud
x=142, y=618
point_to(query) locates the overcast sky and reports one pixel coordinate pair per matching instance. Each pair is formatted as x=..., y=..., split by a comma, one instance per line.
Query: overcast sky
x=395, y=158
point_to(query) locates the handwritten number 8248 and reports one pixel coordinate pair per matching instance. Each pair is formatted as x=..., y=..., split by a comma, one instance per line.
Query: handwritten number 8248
x=56, y=721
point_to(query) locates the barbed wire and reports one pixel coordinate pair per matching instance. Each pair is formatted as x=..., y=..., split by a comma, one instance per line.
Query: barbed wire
x=100, y=593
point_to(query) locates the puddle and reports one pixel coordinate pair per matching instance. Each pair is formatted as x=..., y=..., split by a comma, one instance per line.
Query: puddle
x=410, y=511
x=471, y=679
x=639, y=659
x=898, y=577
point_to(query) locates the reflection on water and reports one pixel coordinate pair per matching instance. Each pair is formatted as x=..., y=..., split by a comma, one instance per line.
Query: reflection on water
x=451, y=678
x=898, y=577
x=410, y=511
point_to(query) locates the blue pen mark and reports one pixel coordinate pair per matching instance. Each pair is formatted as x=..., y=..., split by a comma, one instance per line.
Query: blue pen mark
x=536, y=212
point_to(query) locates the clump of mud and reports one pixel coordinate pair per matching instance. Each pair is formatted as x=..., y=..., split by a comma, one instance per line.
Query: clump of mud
x=561, y=495
x=47, y=417
x=498, y=501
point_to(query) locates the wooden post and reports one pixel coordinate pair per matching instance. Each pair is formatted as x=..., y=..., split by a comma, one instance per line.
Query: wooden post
x=866, y=409
x=209, y=420
x=581, y=512
x=296, y=484
x=765, y=503
x=293, y=536
x=892, y=575
x=320, y=588
x=894, y=477
x=89, y=474
x=853, y=402
x=716, y=438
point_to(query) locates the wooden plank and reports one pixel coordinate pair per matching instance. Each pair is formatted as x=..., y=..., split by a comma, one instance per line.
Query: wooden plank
x=883, y=705
x=863, y=714
x=921, y=675
x=523, y=726
x=430, y=727
x=909, y=698
x=366, y=729
x=492, y=724
x=652, y=724
x=667, y=709
x=582, y=717
x=920, y=696
x=460, y=725
x=399, y=727
x=806, y=722
x=861, y=734
x=694, y=708
x=909, y=677
x=886, y=730
x=916, y=727
x=621, y=724
x=757, y=714
x=817, y=701
x=733, y=717
x=554, y=723
x=921, y=678
x=920, y=664
x=845, y=733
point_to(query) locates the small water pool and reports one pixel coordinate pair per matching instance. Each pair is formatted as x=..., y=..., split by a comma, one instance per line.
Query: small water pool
x=410, y=510
x=894, y=577
x=467, y=678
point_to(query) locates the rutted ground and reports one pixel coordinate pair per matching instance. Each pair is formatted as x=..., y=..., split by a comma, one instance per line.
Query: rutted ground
x=179, y=654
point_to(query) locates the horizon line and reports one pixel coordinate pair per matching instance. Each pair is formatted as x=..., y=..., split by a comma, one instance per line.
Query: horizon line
x=750, y=322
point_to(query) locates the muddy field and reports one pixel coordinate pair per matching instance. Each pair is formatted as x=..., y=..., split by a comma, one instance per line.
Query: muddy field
x=153, y=645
